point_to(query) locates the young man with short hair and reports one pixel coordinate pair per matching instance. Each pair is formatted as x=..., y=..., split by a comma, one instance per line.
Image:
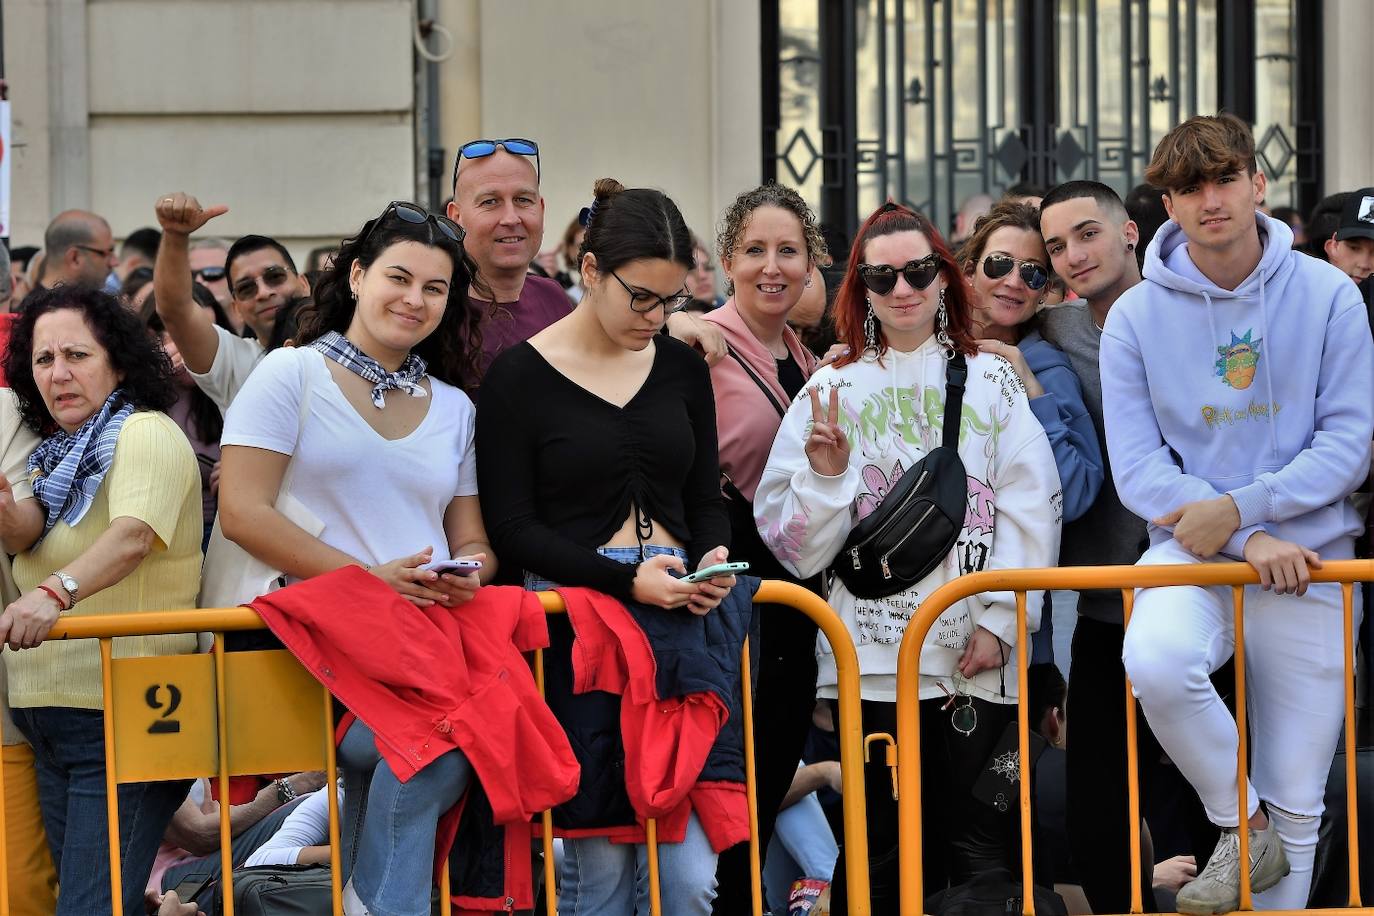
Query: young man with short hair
x=1092, y=245
x=1236, y=387
x=262, y=279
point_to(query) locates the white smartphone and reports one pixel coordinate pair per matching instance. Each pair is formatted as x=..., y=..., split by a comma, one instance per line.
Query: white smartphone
x=456, y=567
x=719, y=569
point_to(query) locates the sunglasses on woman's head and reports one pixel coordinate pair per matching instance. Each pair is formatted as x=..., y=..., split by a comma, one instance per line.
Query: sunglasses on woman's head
x=997, y=266
x=881, y=279
x=416, y=215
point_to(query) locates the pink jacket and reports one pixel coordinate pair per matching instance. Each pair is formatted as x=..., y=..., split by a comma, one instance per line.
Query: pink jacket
x=746, y=420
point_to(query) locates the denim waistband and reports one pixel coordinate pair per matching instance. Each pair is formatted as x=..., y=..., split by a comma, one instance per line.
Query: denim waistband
x=627, y=555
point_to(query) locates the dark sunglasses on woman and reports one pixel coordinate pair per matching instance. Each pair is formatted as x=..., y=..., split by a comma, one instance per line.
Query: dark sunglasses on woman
x=997, y=266
x=416, y=214
x=881, y=279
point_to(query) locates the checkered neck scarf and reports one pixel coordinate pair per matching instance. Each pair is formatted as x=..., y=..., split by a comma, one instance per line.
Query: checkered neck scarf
x=71, y=466
x=344, y=352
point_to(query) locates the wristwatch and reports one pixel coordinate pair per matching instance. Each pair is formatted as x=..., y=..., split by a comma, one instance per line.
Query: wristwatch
x=284, y=792
x=70, y=585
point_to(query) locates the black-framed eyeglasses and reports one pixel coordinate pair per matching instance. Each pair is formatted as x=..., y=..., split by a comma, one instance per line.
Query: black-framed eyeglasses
x=416, y=215
x=643, y=301
x=881, y=279
x=208, y=274
x=105, y=253
x=274, y=276
x=997, y=266
x=480, y=149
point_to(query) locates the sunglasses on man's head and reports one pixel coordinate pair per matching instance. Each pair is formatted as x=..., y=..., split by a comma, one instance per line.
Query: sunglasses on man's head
x=881, y=279
x=480, y=149
x=997, y=266
x=416, y=215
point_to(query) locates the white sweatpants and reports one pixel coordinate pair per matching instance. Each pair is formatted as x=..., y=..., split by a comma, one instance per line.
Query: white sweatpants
x=1295, y=698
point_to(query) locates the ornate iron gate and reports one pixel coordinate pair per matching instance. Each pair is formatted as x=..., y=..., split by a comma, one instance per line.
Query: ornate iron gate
x=932, y=101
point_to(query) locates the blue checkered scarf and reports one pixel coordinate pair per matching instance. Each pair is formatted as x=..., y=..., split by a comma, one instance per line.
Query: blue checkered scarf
x=344, y=352
x=71, y=466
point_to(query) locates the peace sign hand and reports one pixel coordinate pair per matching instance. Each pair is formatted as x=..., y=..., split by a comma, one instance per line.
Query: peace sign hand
x=827, y=448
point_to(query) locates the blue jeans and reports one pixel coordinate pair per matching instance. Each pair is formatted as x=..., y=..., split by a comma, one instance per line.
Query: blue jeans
x=803, y=846
x=537, y=583
x=393, y=867
x=613, y=878
x=601, y=878
x=69, y=763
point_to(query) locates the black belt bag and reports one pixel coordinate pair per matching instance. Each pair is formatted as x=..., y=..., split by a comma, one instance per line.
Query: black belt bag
x=918, y=522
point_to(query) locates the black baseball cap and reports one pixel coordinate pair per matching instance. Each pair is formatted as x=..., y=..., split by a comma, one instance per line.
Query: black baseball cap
x=1357, y=216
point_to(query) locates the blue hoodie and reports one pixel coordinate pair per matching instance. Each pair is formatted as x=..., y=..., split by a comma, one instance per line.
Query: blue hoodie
x=1067, y=424
x=1265, y=392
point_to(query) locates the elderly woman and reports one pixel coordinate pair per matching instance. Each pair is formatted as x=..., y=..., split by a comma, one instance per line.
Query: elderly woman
x=113, y=525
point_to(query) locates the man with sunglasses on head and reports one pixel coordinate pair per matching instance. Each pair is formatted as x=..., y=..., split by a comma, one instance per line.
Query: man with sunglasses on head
x=1236, y=383
x=261, y=278
x=497, y=202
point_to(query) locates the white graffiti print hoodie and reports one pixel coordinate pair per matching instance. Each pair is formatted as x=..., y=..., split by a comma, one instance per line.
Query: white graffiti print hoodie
x=892, y=412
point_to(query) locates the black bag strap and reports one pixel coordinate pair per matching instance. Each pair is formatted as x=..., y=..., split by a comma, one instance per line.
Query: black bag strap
x=753, y=376
x=956, y=374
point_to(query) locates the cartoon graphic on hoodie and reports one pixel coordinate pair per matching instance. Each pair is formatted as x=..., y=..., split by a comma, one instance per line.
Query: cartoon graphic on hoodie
x=1236, y=362
x=1288, y=444
x=892, y=412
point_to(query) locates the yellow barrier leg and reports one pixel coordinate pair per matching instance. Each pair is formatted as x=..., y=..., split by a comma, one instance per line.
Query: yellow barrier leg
x=225, y=833
x=1132, y=770
x=909, y=840
x=445, y=892
x=331, y=772
x=1023, y=731
x=1242, y=754
x=651, y=842
x=1351, y=808
x=4, y=847
x=546, y=819
x=111, y=780
x=751, y=790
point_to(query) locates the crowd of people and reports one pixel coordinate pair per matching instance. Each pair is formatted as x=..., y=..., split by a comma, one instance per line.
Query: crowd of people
x=389, y=453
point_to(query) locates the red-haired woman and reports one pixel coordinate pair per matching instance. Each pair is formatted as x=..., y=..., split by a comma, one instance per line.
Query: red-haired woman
x=903, y=307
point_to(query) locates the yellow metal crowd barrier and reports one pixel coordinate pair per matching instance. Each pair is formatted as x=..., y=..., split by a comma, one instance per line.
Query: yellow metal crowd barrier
x=1127, y=579
x=217, y=715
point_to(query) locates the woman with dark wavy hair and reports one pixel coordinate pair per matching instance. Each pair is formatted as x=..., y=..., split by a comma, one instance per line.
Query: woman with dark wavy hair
x=365, y=412
x=903, y=309
x=113, y=525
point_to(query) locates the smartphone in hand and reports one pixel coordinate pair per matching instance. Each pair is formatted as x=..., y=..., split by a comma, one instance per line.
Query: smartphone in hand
x=719, y=569
x=456, y=567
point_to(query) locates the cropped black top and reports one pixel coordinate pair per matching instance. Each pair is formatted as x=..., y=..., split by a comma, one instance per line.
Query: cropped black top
x=559, y=469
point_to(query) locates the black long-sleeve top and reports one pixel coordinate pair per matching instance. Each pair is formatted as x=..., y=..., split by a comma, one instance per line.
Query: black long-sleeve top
x=559, y=469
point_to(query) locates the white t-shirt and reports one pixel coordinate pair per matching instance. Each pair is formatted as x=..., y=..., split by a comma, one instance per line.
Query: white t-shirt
x=235, y=358
x=307, y=825
x=377, y=499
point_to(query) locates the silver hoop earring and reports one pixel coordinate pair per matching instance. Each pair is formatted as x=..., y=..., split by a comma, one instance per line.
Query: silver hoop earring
x=942, y=328
x=870, y=334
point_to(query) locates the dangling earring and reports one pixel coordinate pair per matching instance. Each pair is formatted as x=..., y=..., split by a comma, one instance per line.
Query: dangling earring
x=942, y=328
x=870, y=334
x=1130, y=246
x=807, y=284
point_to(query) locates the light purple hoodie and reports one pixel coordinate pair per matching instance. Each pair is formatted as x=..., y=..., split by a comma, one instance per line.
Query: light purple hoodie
x=1265, y=392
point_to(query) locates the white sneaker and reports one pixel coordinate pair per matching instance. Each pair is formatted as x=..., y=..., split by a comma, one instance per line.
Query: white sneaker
x=1217, y=888
x=352, y=905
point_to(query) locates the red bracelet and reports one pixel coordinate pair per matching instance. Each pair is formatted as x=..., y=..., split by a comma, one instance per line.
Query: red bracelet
x=52, y=594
